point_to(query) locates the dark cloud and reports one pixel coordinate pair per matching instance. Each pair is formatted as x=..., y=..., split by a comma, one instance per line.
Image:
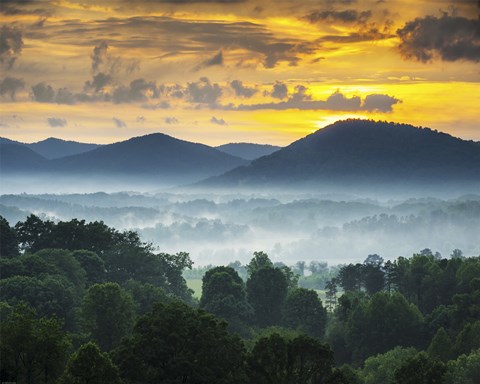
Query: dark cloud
x=280, y=91
x=347, y=16
x=301, y=100
x=161, y=105
x=10, y=86
x=64, y=96
x=241, y=90
x=56, y=122
x=111, y=65
x=11, y=44
x=43, y=93
x=220, y=121
x=175, y=36
x=203, y=92
x=448, y=38
x=171, y=120
x=119, y=123
x=379, y=103
x=99, y=82
x=99, y=56
x=215, y=60
x=138, y=90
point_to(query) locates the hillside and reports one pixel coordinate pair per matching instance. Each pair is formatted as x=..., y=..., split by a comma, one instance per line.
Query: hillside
x=53, y=148
x=363, y=152
x=248, y=151
x=19, y=158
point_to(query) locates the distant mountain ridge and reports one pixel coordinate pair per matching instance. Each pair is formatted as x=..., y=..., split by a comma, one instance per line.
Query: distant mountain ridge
x=248, y=151
x=154, y=157
x=53, y=148
x=362, y=151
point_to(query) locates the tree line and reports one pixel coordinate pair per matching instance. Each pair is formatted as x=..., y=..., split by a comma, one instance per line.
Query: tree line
x=84, y=303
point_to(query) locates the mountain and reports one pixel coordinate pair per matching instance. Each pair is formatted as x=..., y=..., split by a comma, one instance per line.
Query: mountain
x=156, y=155
x=248, y=151
x=19, y=158
x=362, y=152
x=53, y=148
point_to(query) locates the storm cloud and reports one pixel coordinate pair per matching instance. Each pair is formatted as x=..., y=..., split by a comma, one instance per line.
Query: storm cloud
x=448, y=38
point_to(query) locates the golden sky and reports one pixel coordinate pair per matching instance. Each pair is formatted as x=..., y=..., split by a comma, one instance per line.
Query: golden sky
x=223, y=71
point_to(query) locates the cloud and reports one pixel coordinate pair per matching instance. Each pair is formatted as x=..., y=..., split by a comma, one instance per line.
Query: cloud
x=220, y=121
x=448, y=38
x=280, y=91
x=138, y=90
x=10, y=86
x=99, y=81
x=379, y=103
x=171, y=120
x=111, y=65
x=99, y=56
x=43, y=93
x=119, y=123
x=56, y=122
x=337, y=101
x=241, y=90
x=141, y=119
x=204, y=92
x=215, y=60
x=349, y=16
x=11, y=44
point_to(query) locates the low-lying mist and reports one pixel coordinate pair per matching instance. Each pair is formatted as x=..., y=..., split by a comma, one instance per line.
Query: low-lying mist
x=217, y=228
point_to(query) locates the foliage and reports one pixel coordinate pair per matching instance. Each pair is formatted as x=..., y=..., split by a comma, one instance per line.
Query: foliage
x=8, y=239
x=420, y=370
x=175, y=343
x=88, y=365
x=464, y=370
x=33, y=349
x=275, y=359
x=108, y=314
x=303, y=310
x=266, y=293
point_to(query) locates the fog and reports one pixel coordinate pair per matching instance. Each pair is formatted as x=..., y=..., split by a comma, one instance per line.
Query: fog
x=220, y=227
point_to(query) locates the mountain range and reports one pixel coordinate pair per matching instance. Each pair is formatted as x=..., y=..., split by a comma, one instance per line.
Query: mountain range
x=347, y=153
x=248, y=151
x=363, y=152
x=53, y=148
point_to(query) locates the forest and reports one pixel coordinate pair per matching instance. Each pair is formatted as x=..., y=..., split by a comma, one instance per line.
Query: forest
x=83, y=302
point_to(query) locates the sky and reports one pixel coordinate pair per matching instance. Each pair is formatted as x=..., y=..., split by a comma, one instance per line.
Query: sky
x=219, y=71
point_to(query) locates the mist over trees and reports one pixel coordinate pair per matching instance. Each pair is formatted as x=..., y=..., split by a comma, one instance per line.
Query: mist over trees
x=84, y=302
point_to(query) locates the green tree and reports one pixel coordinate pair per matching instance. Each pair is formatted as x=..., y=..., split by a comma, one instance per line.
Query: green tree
x=88, y=365
x=441, y=346
x=420, y=370
x=468, y=339
x=301, y=360
x=145, y=295
x=8, y=239
x=224, y=295
x=33, y=349
x=380, y=369
x=108, y=313
x=177, y=344
x=93, y=265
x=266, y=293
x=464, y=370
x=331, y=295
x=303, y=310
x=381, y=323
x=350, y=277
x=260, y=260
